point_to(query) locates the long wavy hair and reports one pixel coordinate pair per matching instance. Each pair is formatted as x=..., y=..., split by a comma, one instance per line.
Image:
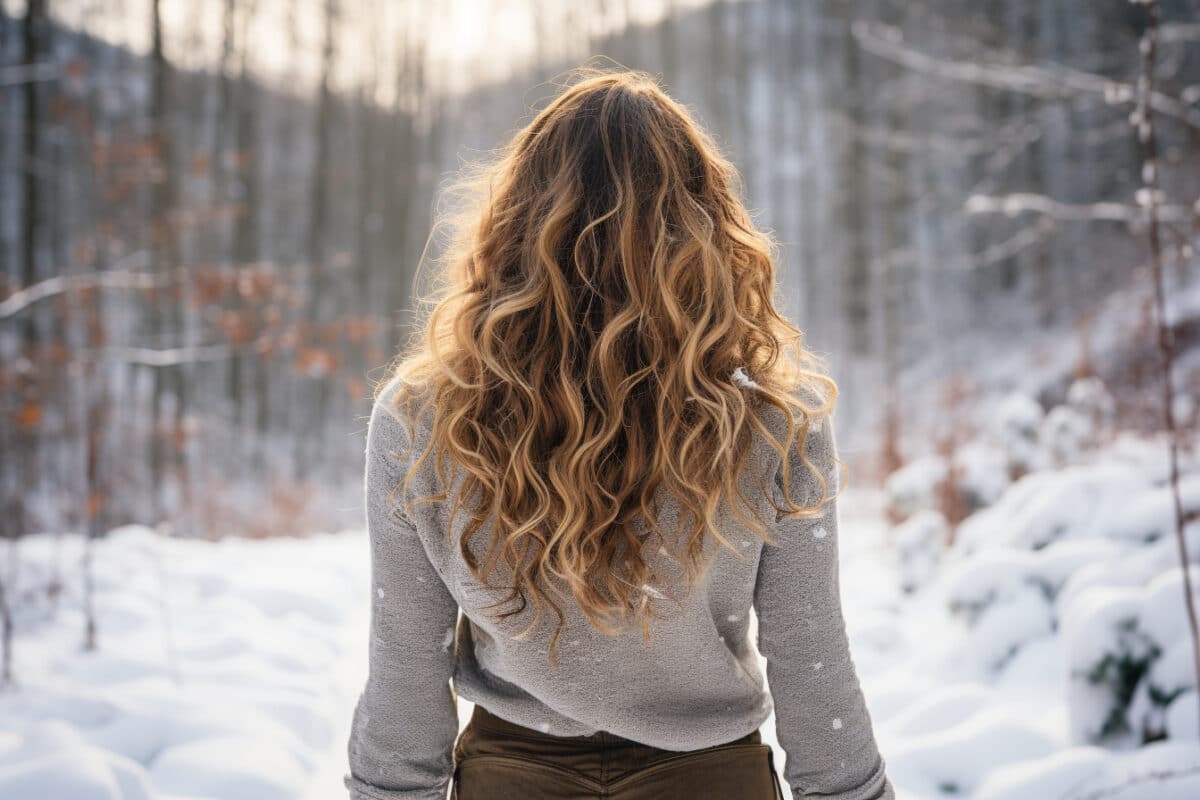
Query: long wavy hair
x=604, y=330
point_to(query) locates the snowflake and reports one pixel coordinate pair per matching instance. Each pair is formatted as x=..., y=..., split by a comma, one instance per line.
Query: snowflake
x=741, y=377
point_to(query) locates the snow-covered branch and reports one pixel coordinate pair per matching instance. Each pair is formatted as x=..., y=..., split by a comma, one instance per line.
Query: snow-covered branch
x=1026, y=237
x=117, y=279
x=166, y=357
x=1017, y=203
x=1047, y=81
x=19, y=74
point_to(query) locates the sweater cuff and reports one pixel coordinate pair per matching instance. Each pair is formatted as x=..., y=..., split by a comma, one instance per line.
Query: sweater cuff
x=876, y=787
x=361, y=790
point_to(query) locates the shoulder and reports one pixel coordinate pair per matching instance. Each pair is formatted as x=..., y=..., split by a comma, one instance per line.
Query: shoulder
x=812, y=400
x=805, y=459
x=387, y=414
x=401, y=402
x=399, y=418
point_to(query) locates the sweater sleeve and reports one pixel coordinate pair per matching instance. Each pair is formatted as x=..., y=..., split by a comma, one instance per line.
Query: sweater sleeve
x=821, y=718
x=406, y=719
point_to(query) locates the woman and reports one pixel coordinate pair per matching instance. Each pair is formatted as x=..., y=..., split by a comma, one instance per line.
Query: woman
x=604, y=446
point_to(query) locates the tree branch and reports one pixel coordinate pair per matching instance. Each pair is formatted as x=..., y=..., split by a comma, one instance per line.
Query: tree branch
x=1046, y=81
x=19, y=74
x=1013, y=204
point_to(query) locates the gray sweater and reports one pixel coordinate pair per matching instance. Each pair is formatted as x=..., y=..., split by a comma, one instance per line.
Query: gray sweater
x=697, y=683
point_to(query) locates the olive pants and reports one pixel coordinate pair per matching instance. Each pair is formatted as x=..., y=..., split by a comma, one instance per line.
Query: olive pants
x=495, y=759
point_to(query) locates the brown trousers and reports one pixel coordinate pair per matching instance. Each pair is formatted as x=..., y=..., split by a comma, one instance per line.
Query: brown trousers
x=495, y=759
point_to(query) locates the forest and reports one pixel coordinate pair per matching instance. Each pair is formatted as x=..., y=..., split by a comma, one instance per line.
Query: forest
x=218, y=219
x=209, y=248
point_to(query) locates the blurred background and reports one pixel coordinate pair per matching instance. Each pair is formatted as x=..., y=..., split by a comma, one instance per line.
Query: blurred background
x=212, y=220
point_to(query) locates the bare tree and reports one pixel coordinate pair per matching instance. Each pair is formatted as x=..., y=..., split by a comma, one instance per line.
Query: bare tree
x=1143, y=122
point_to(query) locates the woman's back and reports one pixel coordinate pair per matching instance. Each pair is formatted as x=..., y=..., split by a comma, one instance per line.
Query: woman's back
x=572, y=374
x=696, y=683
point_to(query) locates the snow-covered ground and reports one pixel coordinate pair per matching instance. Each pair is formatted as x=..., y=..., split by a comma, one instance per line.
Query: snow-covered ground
x=1045, y=656
x=224, y=670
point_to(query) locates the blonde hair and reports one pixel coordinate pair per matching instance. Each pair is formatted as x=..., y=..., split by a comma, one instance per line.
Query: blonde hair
x=600, y=287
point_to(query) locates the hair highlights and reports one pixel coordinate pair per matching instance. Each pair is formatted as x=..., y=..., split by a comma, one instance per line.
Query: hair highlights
x=601, y=289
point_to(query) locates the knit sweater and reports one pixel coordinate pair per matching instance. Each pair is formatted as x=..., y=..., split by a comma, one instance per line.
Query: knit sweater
x=696, y=683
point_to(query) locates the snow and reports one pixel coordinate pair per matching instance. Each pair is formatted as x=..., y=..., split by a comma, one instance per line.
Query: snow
x=1040, y=650
x=1045, y=653
x=224, y=670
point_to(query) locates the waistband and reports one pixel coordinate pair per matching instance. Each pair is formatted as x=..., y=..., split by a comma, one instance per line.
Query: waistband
x=483, y=719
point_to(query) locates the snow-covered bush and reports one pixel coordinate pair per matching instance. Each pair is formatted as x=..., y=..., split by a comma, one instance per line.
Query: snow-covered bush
x=978, y=580
x=975, y=584
x=1125, y=668
x=1063, y=436
x=1085, y=501
x=1180, y=723
x=1149, y=513
x=1135, y=565
x=1090, y=397
x=914, y=486
x=1018, y=421
x=982, y=474
x=1170, y=677
x=1077, y=426
x=1086, y=549
x=920, y=541
x=1002, y=600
